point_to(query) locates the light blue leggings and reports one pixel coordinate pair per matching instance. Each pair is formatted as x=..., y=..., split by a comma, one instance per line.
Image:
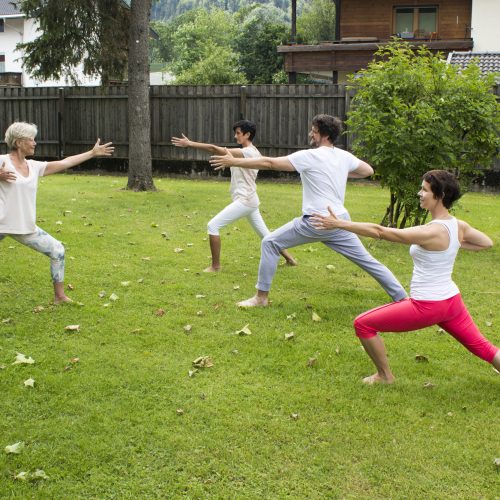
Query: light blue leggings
x=44, y=243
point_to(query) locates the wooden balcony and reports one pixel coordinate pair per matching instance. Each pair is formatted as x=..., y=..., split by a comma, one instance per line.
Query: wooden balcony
x=353, y=54
x=10, y=79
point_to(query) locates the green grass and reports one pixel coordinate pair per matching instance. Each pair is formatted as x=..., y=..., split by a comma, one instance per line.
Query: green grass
x=108, y=426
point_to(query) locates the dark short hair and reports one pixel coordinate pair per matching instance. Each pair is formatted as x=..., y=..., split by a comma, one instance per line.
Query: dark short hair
x=328, y=126
x=444, y=186
x=246, y=126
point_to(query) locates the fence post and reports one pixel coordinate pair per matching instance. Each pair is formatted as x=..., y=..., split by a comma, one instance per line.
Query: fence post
x=60, y=124
x=243, y=102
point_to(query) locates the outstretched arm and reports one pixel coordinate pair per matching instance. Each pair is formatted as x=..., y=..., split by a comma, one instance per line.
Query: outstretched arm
x=473, y=239
x=185, y=142
x=281, y=163
x=421, y=235
x=72, y=161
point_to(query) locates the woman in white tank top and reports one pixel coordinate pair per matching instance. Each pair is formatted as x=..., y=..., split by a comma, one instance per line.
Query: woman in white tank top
x=434, y=297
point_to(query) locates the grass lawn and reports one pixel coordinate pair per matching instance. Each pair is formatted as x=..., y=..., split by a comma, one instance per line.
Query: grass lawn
x=114, y=412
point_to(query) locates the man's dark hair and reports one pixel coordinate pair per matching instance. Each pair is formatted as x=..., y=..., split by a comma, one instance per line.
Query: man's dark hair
x=328, y=126
x=246, y=126
x=444, y=186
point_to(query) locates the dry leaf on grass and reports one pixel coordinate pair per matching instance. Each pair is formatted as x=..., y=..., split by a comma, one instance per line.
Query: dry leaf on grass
x=289, y=336
x=192, y=373
x=113, y=297
x=178, y=250
x=21, y=359
x=38, y=309
x=200, y=296
x=22, y=476
x=291, y=316
x=7, y=321
x=30, y=382
x=203, y=362
x=428, y=385
x=124, y=283
x=244, y=331
x=315, y=317
x=188, y=328
x=330, y=267
x=160, y=312
x=69, y=286
x=294, y=416
x=419, y=358
x=311, y=362
x=72, y=328
x=179, y=411
x=102, y=294
x=39, y=474
x=15, y=448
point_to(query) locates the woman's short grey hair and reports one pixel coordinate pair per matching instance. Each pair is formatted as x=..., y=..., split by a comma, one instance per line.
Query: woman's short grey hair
x=19, y=130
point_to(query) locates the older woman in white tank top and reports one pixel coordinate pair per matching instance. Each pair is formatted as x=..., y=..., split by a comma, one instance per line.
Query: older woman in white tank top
x=434, y=297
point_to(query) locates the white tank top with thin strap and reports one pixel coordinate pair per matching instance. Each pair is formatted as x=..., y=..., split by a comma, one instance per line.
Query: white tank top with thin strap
x=432, y=270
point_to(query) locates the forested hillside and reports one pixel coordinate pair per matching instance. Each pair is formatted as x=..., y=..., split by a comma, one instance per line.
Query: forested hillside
x=164, y=10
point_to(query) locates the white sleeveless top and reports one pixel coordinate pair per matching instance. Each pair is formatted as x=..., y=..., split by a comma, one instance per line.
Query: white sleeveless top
x=243, y=187
x=432, y=270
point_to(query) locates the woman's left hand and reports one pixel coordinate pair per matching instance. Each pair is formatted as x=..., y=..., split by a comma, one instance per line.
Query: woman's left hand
x=325, y=221
x=103, y=149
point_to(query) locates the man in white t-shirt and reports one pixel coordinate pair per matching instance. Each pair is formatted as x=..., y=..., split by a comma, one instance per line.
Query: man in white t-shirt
x=243, y=190
x=324, y=172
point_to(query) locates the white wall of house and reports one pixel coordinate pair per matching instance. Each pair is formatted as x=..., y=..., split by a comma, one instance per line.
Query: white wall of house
x=17, y=30
x=485, y=25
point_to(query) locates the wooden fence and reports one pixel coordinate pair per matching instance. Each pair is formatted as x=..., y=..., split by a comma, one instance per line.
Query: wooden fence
x=69, y=119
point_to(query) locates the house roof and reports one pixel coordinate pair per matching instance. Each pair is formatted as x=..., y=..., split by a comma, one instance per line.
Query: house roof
x=9, y=10
x=488, y=62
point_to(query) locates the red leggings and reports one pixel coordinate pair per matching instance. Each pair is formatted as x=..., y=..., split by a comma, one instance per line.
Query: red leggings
x=409, y=314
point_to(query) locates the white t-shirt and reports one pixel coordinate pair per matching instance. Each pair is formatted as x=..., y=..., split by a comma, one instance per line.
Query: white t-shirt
x=323, y=172
x=18, y=198
x=431, y=279
x=243, y=186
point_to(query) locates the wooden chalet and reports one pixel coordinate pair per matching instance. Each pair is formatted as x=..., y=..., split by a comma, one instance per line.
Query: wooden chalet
x=362, y=26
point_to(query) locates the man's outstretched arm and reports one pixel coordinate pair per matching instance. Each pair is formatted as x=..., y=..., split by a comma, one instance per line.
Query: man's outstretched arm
x=261, y=163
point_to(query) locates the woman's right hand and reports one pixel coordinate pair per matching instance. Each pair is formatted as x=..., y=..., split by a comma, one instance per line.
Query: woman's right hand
x=6, y=175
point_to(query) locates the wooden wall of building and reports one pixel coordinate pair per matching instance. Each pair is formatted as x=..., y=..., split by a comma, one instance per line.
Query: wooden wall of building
x=374, y=18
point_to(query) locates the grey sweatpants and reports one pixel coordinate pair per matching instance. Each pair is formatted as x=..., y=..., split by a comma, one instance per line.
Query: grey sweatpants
x=300, y=231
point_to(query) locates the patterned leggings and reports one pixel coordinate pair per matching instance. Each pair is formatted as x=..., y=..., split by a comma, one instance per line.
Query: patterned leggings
x=44, y=243
x=410, y=314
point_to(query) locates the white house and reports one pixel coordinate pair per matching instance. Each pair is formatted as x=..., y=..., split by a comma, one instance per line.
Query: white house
x=14, y=29
x=484, y=25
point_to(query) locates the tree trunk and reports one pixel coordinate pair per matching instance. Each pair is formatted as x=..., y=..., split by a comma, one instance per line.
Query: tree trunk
x=140, y=171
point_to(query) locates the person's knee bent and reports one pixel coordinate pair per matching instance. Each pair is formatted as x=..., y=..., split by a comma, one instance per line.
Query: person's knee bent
x=213, y=229
x=58, y=252
x=269, y=244
x=362, y=329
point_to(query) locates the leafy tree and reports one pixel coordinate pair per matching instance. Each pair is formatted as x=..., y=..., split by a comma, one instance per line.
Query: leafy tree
x=207, y=37
x=104, y=36
x=317, y=22
x=412, y=113
x=262, y=30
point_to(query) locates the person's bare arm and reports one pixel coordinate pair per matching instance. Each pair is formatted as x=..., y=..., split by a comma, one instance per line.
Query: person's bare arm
x=363, y=170
x=185, y=142
x=473, y=239
x=281, y=163
x=72, y=161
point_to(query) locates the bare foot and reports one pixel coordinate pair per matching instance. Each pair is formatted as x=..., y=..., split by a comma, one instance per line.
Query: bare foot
x=212, y=269
x=378, y=379
x=62, y=300
x=255, y=301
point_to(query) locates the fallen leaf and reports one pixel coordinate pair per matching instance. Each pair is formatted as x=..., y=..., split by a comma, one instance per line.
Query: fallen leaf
x=137, y=330
x=21, y=359
x=244, y=331
x=291, y=316
x=69, y=286
x=160, y=312
x=165, y=235
x=72, y=328
x=30, y=382
x=140, y=280
x=102, y=294
x=449, y=414
x=178, y=250
x=330, y=267
x=199, y=313
x=192, y=373
x=309, y=249
x=59, y=223
x=337, y=350
x=15, y=448
x=200, y=296
x=440, y=330
x=74, y=360
x=124, y=283
x=38, y=309
x=22, y=476
x=489, y=323
x=188, y=328
x=39, y=474
x=428, y=385
x=236, y=287
x=7, y=320
x=203, y=362
x=496, y=462
x=113, y=297
x=311, y=362
x=421, y=359
x=289, y=336
x=146, y=258
x=294, y=416
x=315, y=317
x=154, y=224
x=189, y=244
x=179, y=411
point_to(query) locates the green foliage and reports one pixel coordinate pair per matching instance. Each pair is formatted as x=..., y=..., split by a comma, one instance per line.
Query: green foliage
x=202, y=53
x=316, y=23
x=88, y=31
x=412, y=113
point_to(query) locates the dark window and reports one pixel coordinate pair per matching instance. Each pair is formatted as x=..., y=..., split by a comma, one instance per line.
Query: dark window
x=2, y=25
